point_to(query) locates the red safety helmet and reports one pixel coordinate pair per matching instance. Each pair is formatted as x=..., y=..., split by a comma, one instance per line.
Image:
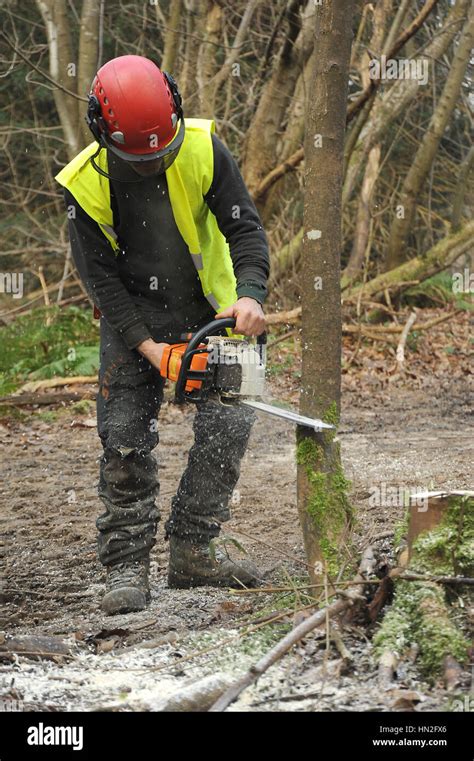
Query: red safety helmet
x=134, y=109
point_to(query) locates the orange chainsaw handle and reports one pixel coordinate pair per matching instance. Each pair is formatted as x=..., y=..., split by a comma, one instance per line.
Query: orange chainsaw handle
x=171, y=363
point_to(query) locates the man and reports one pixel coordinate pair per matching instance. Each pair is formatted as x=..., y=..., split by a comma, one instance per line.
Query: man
x=165, y=238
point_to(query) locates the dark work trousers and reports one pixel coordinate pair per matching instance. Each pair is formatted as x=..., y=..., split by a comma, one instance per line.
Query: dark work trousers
x=130, y=395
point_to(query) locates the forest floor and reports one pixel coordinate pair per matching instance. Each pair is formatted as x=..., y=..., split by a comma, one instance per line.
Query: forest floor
x=413, y=432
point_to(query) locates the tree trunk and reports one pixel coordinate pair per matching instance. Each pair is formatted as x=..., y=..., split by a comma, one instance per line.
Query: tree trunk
x=208, y=65
x=188, y=81
x=461, y=189
x=60, y=62
x=426, y=153
x=172, y=37
x=363, y=223
x=322, y=499
x=265, y=129
x=88, y=56
x=290, y=143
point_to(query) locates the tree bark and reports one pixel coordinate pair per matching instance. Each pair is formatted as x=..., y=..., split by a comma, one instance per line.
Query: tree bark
x=461, y=189
x=88, y=56
x=60, y=58
x=260, y=155
x=322, y=500
x=207, y=62
x=172, y=37
x=188, y=80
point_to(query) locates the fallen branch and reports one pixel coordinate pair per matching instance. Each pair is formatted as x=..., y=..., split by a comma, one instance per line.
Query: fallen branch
x=278, y=318
x=395, y=329
x=281, y=338
x=33, y=645
x=400, y=573
x=378, y=332
x=345, y=654
x=279, y=171
x=26, y=400
x=400, y=354
x=382, y=595
x=78, y=380
x=298, y=633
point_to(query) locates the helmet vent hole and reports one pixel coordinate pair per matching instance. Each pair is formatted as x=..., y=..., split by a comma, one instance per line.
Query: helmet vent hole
x=106, y=101
x=111, y=112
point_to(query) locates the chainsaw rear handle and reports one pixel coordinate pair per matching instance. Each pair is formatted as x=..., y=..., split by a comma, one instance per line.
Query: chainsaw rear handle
x=193, y=347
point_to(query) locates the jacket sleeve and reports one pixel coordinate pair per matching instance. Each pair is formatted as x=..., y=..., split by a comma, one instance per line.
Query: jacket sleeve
x=238, y=220
x=96, y=263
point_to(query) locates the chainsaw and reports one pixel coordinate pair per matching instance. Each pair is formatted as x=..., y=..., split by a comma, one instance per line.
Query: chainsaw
x=231, y=370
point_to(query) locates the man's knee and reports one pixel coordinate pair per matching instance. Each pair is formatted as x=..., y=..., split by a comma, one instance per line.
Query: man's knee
x=231, y=421
x=128, y=475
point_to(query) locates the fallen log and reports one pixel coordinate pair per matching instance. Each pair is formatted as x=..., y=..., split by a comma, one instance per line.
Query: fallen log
x=28, y=400
x=438, y=258
x=440, y=532
x=370, y=331
x=77, y=380
x=33, y=646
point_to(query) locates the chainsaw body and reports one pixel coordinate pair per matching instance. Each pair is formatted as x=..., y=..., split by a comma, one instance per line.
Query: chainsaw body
x=216, y=365
x=228, y=369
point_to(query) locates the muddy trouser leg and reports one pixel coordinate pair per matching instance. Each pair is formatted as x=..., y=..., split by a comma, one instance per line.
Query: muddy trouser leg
x=201, y=503
x=130, y=395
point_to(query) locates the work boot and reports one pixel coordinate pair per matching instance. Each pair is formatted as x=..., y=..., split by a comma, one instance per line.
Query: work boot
x=192, y=565
x=127, y=588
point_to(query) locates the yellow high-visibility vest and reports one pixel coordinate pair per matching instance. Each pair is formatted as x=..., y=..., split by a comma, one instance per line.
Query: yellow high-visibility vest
x=189, y=179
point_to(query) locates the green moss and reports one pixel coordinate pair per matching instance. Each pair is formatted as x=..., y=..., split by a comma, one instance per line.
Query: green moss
x=419, y=610
x=328, y=503
x=309, y=453
x=331, y=416
x=414, y=617
x=49, y=416
x=448, y=549
x=84, y=407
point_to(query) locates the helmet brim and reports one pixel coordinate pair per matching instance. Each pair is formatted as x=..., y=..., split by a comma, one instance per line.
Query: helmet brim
x=168, y=151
